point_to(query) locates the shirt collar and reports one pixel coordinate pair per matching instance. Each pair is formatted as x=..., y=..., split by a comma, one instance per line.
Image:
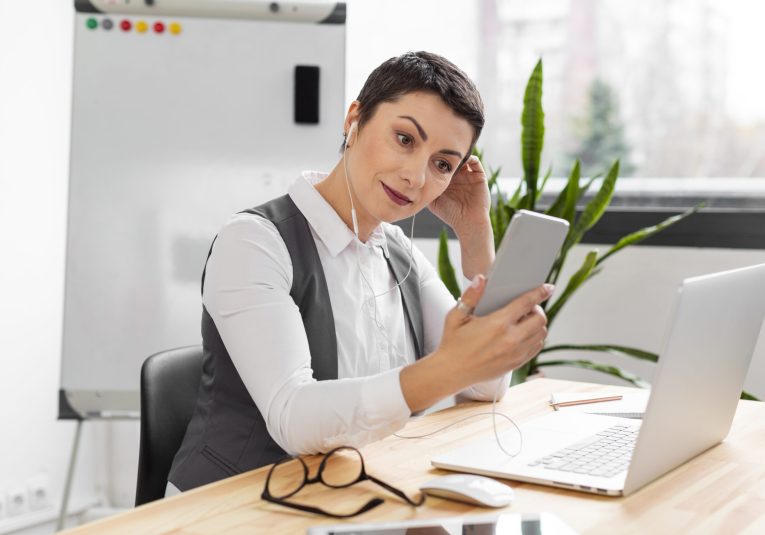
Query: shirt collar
x=327, y=224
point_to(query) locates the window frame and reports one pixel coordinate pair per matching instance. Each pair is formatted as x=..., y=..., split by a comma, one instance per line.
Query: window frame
x=733, y=218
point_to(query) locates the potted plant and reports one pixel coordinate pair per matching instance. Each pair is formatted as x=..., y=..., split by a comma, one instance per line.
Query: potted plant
x=526, y=196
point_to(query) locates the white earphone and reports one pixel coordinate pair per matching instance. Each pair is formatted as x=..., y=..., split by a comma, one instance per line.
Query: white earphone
x=353, y=209
x=355, y=223
x=381, y=327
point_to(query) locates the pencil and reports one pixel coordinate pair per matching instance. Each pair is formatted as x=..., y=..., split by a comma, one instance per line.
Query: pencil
x=583, y=401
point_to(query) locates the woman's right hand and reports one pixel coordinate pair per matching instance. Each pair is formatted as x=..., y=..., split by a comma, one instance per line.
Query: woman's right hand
x=477, y=348
x=481, y=348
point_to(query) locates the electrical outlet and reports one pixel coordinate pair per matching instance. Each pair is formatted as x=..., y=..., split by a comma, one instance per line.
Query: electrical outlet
x=16, y=501
x=39, y=492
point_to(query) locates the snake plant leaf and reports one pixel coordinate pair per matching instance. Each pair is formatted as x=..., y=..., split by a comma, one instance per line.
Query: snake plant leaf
x=574, y=283
x=594, y=272
x=584, y=189
x=502, y=223
x=492, y=182
x=493, y=221
x=605, y=348
x=544, y=182
x=594, y=209
x=604, y=368
x=521, y=373
x=566, y=209
x=572, y=195
x=509, y=213
x=500, y=212
x=516, y=198
x=532, y=134
x=647, y=232
x=561, y=204
x=445, y=269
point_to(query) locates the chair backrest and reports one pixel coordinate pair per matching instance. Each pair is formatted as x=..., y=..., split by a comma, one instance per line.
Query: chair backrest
x=169, y=384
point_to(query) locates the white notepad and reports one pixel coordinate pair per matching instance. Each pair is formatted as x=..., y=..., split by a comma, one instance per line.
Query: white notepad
x=632, y=404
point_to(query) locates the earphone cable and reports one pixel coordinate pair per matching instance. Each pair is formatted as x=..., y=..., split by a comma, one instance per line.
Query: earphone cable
x=382, y=329
x=493, y=415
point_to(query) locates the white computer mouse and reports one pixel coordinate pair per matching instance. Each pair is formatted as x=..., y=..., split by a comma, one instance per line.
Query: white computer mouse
x=475, y=490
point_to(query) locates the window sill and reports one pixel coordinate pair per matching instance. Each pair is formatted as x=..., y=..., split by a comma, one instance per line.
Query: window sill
x=734, y=215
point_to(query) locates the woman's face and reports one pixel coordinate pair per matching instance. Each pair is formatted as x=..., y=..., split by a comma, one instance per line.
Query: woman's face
x=404, y=156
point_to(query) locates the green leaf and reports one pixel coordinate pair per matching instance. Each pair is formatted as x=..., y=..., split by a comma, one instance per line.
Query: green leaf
x=516, y=198
x=572, y=196
x=586, y=188
x=604, y=368
x=500, y=215
x=606, y=348
x=494, y=225
x=544, y=182
x=559, y=207
x=566, y=209
x=445, y=269
x=595, y=208
x=574, y=283
x=492, y=182
x=594, y=272
x=647, y=232
x=747, y=395
x=521, y=373
x=532, y=133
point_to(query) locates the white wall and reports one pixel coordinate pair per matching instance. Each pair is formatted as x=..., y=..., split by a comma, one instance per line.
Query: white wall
x=626, y=304
x=35, y=73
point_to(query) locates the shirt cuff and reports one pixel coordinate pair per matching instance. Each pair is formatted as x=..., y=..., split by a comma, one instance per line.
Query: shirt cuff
x=486, y=390
x=382, y=399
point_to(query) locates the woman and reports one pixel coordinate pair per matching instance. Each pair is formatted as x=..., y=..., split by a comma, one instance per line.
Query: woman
x=322, y=325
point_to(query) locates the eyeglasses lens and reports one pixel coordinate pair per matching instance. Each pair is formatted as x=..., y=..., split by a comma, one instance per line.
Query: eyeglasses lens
x=286, y=479
x=342, y=468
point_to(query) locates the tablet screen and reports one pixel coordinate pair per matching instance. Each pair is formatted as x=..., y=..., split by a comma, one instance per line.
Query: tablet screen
x=508, y=524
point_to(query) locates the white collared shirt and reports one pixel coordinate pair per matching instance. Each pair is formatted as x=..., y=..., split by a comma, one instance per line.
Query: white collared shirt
x=247, y=294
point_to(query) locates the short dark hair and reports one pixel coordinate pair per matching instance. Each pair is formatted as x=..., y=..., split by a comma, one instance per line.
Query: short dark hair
x=422, y=71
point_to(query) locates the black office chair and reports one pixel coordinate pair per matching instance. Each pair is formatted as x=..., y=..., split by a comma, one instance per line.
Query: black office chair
x=169, y=383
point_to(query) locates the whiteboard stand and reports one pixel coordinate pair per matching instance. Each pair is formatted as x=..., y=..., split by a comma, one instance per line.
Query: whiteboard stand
x=67, y=412
x=69, y=477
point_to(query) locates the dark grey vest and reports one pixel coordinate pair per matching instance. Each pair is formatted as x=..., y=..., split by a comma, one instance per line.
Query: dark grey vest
x=227, y=434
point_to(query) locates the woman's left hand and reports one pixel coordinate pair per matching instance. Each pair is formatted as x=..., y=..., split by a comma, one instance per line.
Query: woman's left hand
x=464, y=205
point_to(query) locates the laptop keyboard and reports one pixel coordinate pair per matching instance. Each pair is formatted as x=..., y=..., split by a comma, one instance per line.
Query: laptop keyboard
x=604, y=454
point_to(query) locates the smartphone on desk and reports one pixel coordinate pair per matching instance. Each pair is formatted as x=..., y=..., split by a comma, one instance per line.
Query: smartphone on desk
x=528, y=250
x=492, y=524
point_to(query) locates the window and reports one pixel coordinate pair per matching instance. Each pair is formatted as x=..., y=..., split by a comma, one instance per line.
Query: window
x=670, y=87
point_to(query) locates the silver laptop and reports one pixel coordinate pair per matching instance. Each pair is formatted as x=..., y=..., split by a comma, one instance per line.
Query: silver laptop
x=715, y=325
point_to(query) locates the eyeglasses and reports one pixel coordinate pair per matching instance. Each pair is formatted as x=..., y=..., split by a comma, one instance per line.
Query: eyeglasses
x=340, y=468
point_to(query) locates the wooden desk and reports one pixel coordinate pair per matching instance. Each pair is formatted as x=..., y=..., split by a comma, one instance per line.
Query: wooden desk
x=720, y=491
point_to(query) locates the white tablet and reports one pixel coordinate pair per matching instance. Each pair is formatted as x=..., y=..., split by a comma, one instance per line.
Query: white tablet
x=504, y=524
x=528, y=250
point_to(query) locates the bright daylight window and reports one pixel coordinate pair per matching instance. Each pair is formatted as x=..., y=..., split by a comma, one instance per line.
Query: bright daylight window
x=668, y=86
x=673, y=88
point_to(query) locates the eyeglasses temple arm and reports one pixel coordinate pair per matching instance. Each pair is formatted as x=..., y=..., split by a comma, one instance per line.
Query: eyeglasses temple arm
x=371, y=504
x=397, y=492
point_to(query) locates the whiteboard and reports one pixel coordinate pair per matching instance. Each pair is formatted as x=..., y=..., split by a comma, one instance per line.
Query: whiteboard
x=171, y=134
